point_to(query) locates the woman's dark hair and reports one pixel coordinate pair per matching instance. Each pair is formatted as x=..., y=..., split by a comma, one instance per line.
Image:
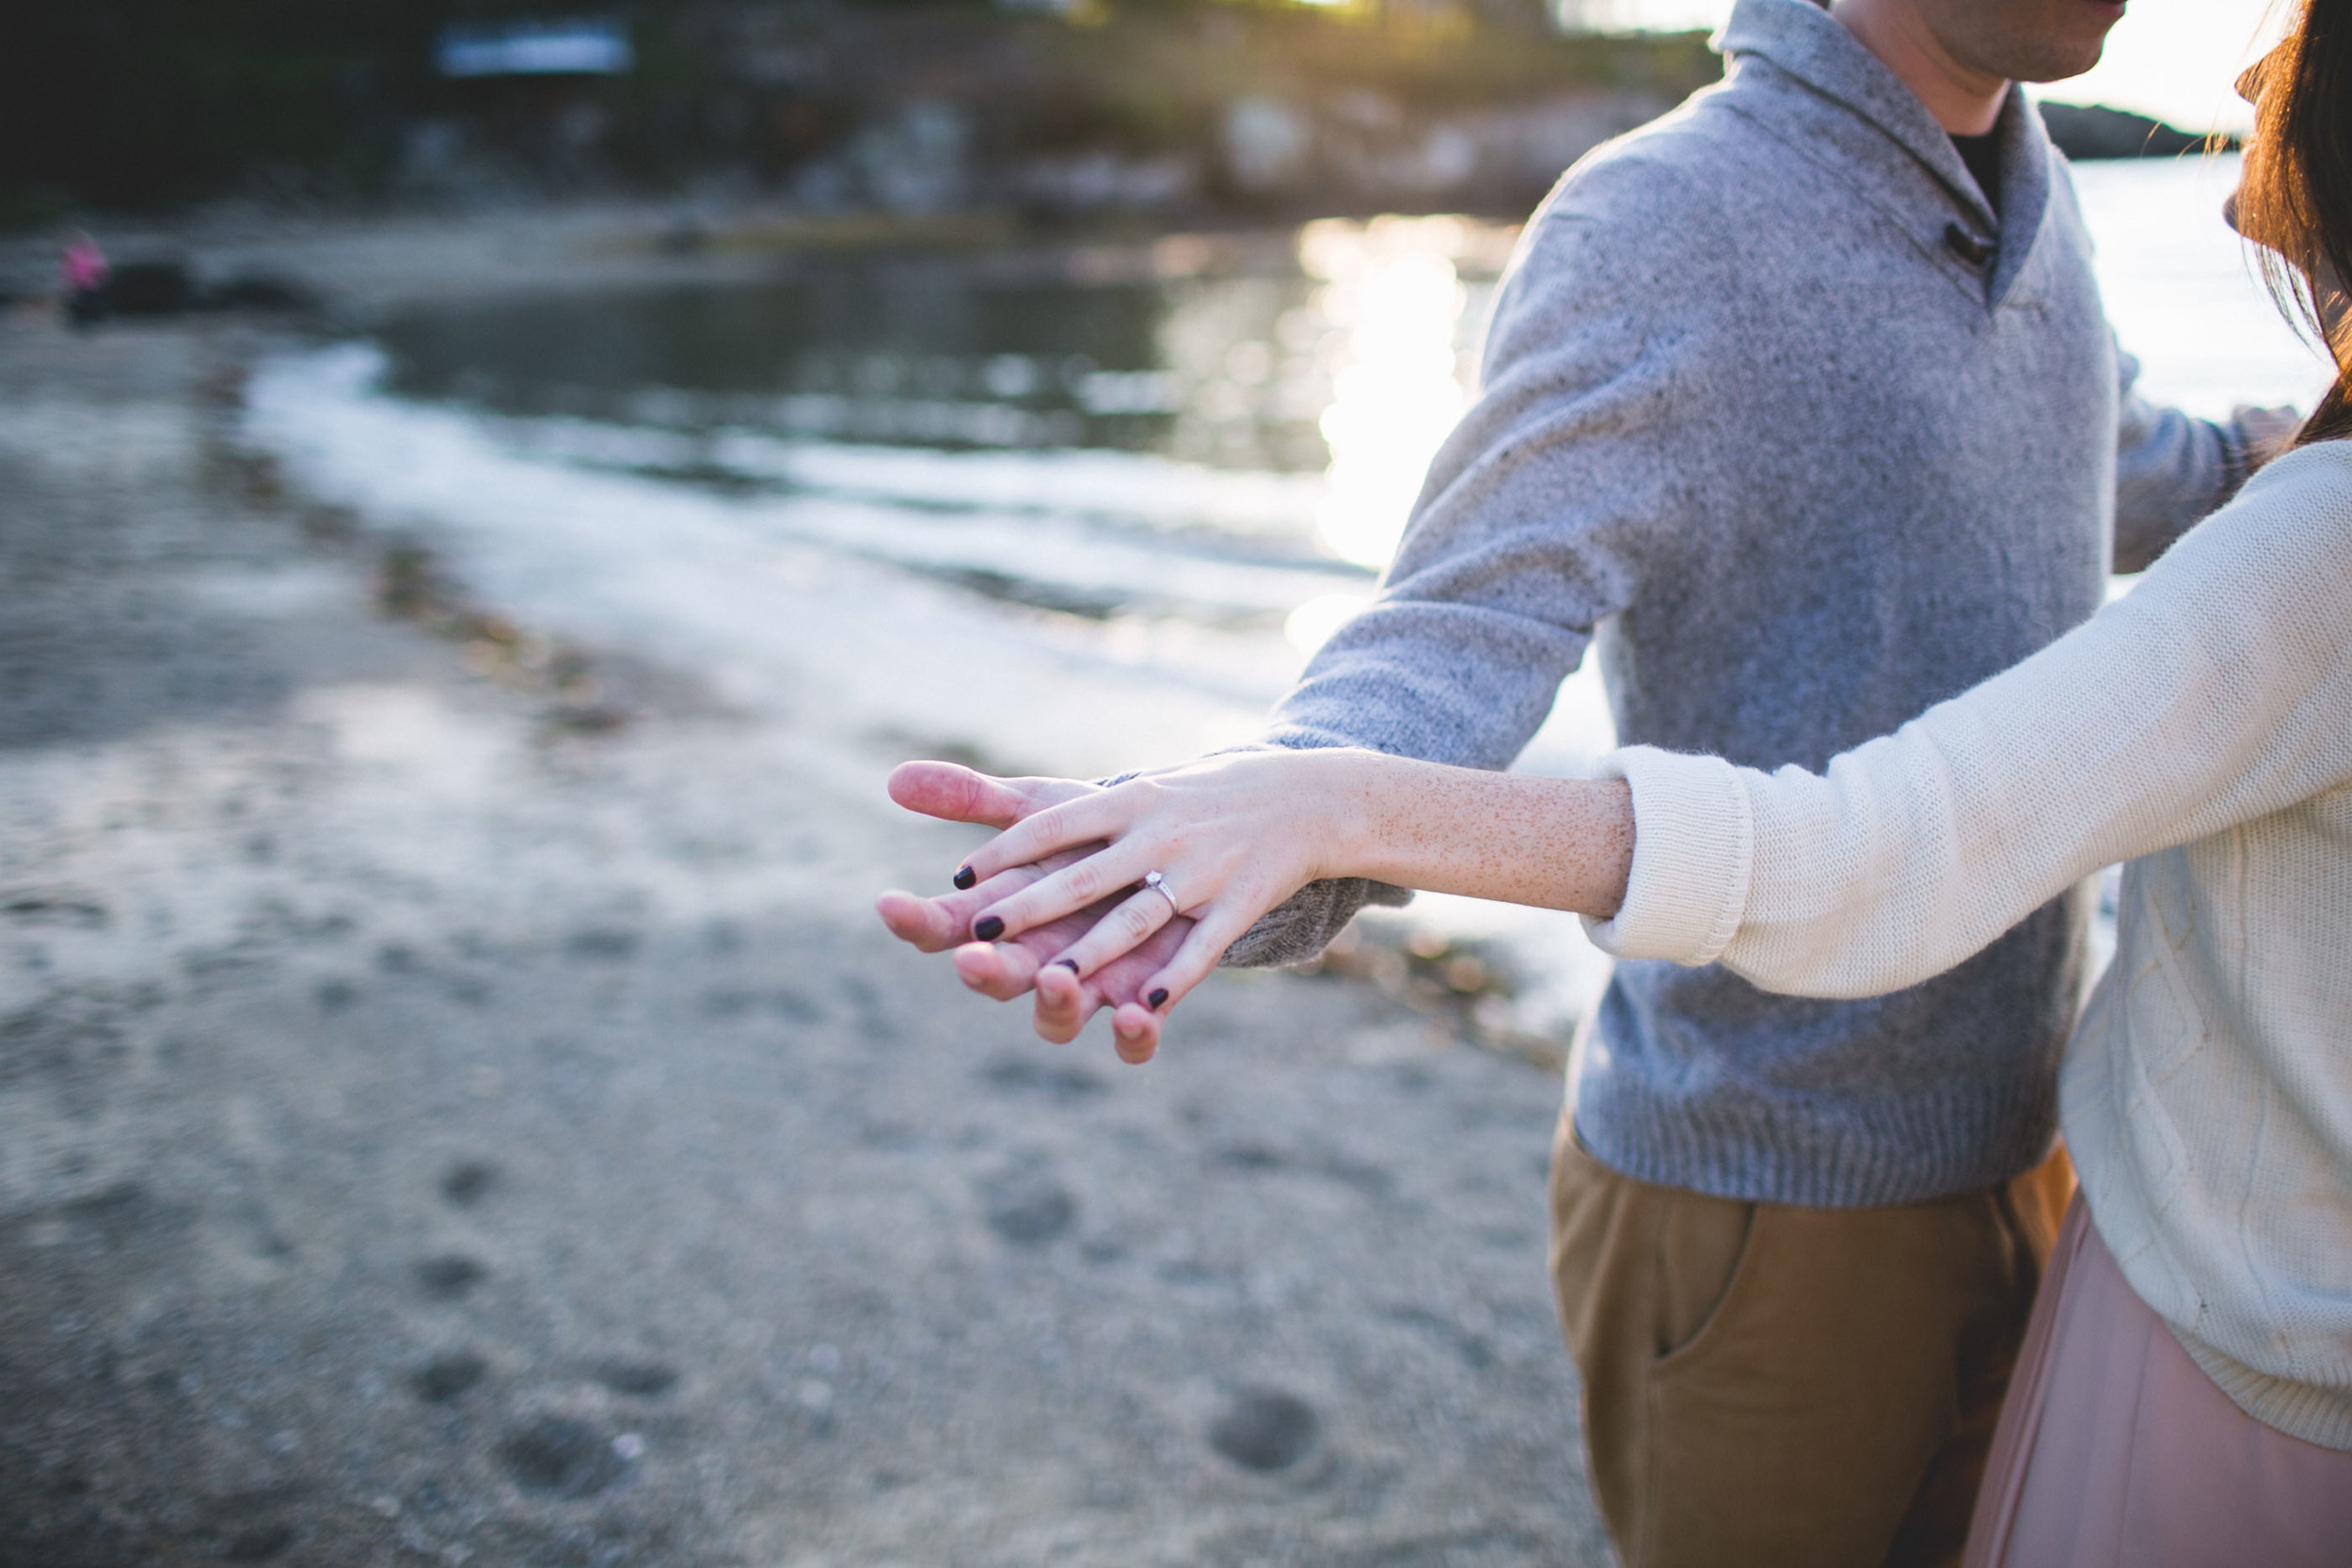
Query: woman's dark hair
x=2294, y=197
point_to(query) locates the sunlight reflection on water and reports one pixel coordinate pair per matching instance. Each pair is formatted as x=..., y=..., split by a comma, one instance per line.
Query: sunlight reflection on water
x=1391, y=287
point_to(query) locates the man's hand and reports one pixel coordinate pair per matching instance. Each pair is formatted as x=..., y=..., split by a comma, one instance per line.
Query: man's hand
x=1008, y=969
x=2269, y=432
x=1023, y=963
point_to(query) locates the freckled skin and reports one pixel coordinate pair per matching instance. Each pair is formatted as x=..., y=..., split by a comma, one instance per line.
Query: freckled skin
x=1234, y=836
x=1561, y=844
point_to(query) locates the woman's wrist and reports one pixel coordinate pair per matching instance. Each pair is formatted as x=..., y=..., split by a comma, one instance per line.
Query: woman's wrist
x=1355, y=826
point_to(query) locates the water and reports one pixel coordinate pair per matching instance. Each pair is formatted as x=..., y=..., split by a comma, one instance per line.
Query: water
x=1071, y=512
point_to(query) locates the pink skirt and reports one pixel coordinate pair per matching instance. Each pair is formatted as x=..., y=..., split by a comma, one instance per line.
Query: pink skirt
x=2116, y=1451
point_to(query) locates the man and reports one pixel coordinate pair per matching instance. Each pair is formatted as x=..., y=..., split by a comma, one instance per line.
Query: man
x=1801, y=404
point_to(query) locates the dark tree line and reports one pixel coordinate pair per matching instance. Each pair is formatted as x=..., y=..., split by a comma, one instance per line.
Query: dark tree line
x=132, y=104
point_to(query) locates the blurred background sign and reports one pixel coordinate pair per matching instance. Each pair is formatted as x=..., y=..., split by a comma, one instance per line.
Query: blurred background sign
x=576, y=47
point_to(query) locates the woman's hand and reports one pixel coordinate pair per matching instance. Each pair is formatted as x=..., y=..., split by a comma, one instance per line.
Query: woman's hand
x=1008, y=968
x=1230, y=836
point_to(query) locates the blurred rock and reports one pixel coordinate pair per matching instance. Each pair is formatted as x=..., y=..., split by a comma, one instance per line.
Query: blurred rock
x=157, y=287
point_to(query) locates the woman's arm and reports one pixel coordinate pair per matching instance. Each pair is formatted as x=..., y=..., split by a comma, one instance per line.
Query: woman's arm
x=2220, y=691
x=1234, y=836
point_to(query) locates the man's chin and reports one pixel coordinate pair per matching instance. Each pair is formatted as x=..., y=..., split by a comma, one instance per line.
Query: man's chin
x=2063, y=65
x=2065, y=58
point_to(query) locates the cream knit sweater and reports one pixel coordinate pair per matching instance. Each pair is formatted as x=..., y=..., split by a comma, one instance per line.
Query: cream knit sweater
x=2199, y=727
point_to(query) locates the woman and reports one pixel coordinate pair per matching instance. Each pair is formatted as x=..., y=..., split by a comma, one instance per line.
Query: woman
x=2186, y=1392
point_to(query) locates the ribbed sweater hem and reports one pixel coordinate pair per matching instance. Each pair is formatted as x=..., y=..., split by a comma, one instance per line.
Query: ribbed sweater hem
x=1863, y=1153
x=2320, y=1416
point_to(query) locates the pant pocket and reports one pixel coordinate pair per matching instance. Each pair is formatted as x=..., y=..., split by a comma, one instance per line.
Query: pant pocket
x=1702, y=1265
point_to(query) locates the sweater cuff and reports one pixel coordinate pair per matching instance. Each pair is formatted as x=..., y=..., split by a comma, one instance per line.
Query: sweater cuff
x=1693, y=843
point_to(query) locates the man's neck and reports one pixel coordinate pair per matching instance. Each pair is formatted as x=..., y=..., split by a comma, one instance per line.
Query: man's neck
x=1964, y=101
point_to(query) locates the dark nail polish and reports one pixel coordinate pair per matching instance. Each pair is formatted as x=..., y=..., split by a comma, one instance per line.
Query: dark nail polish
x=987, y=928
x=1070, y=964
x=965, y=878
x=1158, y=998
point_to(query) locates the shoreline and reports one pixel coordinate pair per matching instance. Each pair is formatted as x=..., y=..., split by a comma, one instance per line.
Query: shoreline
x=457, y=1111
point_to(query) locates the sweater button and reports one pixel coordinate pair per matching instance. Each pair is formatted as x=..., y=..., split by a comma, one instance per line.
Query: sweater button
x=1969, y=248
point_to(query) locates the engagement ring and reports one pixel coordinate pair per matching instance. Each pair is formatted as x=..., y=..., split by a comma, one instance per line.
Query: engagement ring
x=1158, y=884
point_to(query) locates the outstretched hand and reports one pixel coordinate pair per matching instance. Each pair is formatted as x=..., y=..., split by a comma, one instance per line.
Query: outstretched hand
x=1127, y=894
x=1023, y=963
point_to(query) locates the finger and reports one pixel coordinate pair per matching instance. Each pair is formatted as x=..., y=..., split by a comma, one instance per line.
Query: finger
x=998, y=970
x=925, y=923
x=1137, y=1022
x=1202, y=946
x=1134, y=1034
x=1129, y=924
x=1064, y=1003
x=936, y=924
x=1110, y=874
x=1084, y=820
x=1118, y=980
x=954, y=793
x=1004, y=969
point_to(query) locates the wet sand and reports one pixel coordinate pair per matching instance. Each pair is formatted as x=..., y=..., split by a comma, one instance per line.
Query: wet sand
x=456, y=1105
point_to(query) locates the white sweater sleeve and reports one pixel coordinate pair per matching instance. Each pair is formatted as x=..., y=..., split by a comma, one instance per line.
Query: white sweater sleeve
x=2219, y=690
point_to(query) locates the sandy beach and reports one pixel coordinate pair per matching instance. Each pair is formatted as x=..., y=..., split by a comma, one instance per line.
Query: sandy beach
x=456, y=1105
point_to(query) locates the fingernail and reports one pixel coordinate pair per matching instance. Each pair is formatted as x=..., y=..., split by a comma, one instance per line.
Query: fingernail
x=988, y=927
x=965, y=878
x=1070, y=964
x=1158, y=998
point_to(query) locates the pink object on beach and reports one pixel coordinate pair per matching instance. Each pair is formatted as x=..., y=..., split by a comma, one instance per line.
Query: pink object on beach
x=85, y=265
x=2115, y=1450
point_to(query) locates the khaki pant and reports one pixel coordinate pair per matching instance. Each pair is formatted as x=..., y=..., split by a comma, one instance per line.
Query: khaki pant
x=1769, y=1385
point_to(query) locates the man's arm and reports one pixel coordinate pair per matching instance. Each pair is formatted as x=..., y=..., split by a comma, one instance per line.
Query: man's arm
x=1539, y=517
x=2172, y=470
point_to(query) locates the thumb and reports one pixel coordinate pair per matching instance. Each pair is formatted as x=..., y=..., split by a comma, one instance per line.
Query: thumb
x=954, y=793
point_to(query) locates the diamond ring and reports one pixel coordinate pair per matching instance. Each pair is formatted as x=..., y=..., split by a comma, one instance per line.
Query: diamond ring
x=1158, y=884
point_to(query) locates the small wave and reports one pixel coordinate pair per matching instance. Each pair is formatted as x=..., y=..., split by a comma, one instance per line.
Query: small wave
x=1271, y=512
x=1093, y=532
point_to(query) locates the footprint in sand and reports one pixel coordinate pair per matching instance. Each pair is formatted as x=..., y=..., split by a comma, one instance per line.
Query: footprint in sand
x=559, y=1456
x=1264, y=1429
x=450, y=1275
x=1027, y=1205
x=642, y=1379
x=468, y=1182
x=445, y=1377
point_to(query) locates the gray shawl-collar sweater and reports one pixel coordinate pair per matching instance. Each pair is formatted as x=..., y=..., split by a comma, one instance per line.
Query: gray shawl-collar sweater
x=1785, y=419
